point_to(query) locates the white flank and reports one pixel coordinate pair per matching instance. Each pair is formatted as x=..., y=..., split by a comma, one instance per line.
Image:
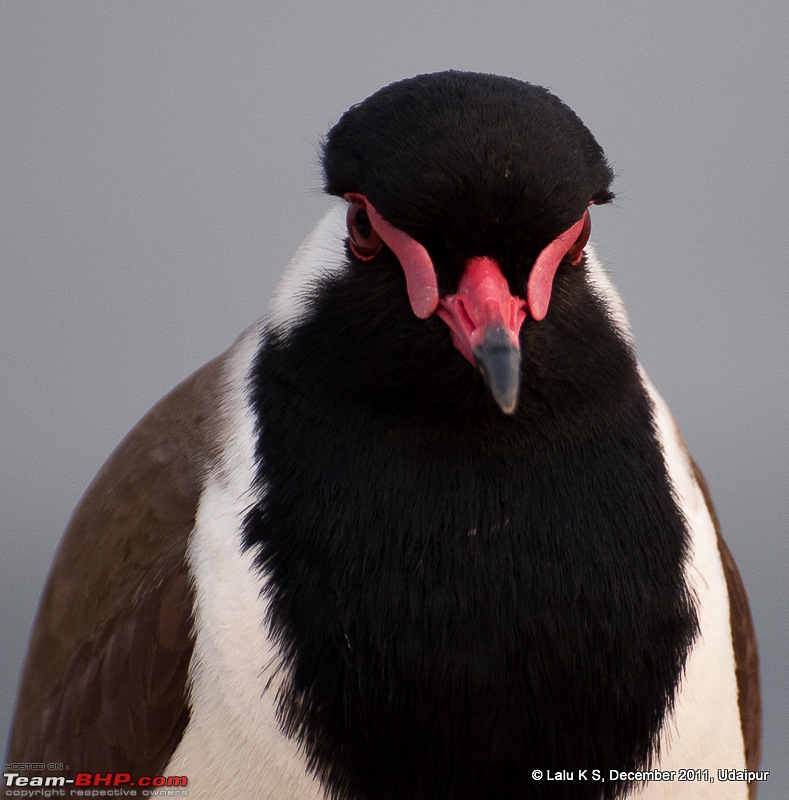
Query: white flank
x=233, y=746
x=321, y=255
x=704, y=731
x=605, y=290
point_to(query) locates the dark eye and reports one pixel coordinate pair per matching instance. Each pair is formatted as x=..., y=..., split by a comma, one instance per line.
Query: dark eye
x=576, y=252
x=362, y=239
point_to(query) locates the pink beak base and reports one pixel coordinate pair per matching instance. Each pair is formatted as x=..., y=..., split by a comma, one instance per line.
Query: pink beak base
x=482, y=303
x=485, y=320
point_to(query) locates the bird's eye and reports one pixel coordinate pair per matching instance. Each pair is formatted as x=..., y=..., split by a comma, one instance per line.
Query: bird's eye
x=362, y=238
x=576, y=252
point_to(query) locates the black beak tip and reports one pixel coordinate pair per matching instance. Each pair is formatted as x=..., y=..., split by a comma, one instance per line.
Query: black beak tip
x=499, y=362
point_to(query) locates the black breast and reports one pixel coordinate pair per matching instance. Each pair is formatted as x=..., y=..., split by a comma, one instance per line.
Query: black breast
x=460, y=597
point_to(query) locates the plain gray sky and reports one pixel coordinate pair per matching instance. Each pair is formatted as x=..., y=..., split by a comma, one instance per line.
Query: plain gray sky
x=159, y=165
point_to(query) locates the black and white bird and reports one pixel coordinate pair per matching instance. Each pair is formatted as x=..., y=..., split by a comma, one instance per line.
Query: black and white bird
x=425, y=529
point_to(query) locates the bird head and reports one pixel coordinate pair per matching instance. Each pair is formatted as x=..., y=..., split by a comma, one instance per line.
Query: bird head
x=468, y=199
x=480, y=187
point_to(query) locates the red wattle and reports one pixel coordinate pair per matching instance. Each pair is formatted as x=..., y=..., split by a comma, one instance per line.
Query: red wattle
x=420, y=276
x=483, y=298
x=540, y=284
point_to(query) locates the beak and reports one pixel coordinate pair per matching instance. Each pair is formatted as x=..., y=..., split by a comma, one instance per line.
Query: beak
x=499, y=361
x=485, y=320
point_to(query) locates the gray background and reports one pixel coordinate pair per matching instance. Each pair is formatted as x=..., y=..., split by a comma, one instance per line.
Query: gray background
x=159, y=166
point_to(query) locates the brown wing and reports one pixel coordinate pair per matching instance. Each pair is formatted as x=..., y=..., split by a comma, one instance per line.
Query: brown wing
x=746, y=654
x=104, y=682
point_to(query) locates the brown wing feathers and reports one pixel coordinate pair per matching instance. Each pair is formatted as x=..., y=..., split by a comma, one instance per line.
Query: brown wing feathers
x=746, y=655
x=104, y=684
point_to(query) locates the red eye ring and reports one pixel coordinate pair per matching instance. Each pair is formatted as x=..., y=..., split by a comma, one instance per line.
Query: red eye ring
x=364, y=242
x=576, y=252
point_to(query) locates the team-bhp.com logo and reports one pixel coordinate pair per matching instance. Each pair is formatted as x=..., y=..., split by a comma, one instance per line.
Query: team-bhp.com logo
x=94, y=784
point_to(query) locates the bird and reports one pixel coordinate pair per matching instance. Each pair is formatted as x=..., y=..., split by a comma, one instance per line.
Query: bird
x=427, y=530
